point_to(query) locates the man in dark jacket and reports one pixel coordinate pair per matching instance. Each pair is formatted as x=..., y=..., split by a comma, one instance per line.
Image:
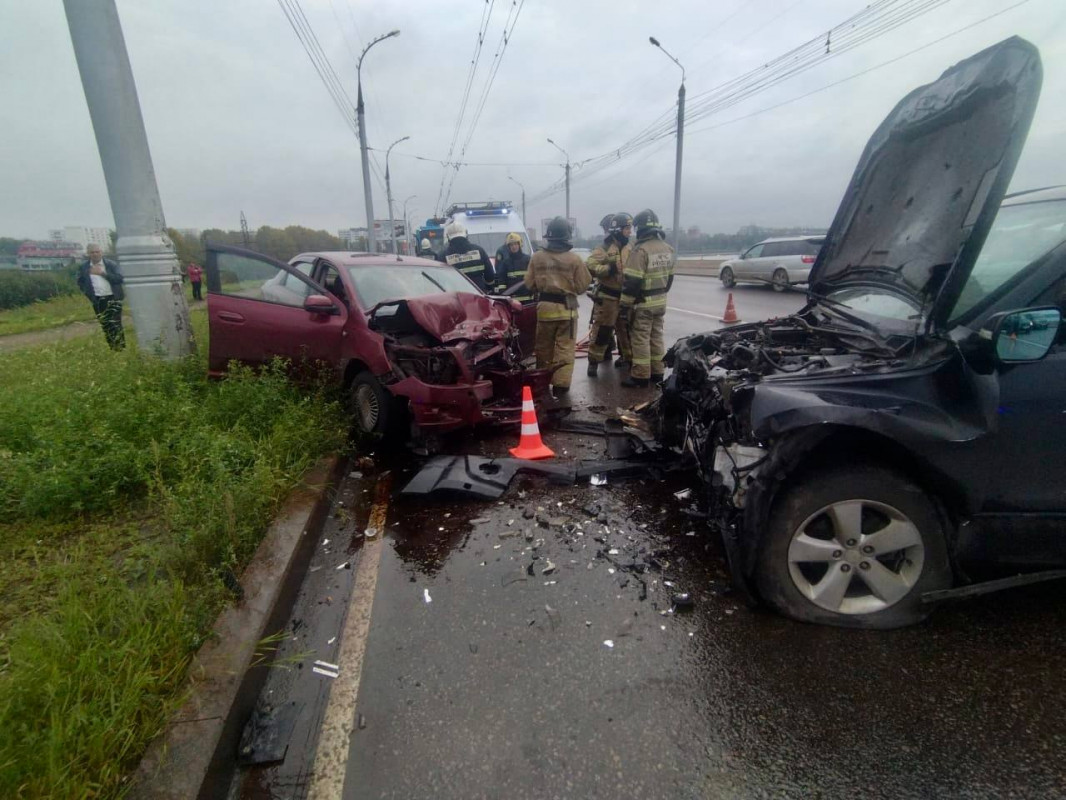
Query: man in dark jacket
x=100, y=281
x=511, y=265
x=470, y=259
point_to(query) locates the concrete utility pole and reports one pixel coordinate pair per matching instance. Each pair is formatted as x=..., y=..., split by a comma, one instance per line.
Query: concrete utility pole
x=368, y=199
x=680, y=142
x=567, y=178
x=523, y=188
x=388, y=192
x=145, y=254
x=407, y=223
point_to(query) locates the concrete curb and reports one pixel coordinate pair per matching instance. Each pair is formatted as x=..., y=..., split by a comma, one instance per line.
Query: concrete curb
x=194, y=755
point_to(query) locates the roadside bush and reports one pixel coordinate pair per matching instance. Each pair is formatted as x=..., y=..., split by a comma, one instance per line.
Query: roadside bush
x=19, y=289
x=130, y=491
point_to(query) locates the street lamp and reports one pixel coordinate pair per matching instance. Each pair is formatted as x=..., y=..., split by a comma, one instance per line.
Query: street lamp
x=523, y=188
x=407, y=221
x=367, y=198
x=388, y=192
x=680, y=141
x=553, y=144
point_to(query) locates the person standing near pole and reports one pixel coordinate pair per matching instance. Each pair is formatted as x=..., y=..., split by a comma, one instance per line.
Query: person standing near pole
x=606, y=264
x=649, y=273
x=467, y=257
x=196, y=277
x=557, y=276
x=100, y=281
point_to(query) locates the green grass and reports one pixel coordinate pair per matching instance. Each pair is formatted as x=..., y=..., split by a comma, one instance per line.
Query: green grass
x=130, y=490
x=46, y=314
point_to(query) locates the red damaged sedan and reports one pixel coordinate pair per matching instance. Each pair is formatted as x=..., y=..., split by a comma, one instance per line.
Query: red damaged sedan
x=412, y=340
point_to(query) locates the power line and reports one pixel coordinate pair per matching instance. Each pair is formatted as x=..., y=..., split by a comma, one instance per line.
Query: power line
x=445, y=163
x=483, y=26
x=874, y=21
x=497, y=59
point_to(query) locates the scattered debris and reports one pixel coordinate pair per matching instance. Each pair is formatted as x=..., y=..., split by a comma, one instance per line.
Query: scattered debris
x=345, y=565
x=613, y=551
x=683, y=602
x=608, y=643
x=361, y=722
x=598, y=479
x=426, y=597
x=332, y=639
x=684, y=494
x=479, y=520
x=355, y=474
x=327, y=669
x=265, y=738
x=473, y=648
x=554, y=618
x=549, y=568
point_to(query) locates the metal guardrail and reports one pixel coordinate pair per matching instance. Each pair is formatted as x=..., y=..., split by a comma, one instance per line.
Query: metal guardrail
x=698, y=266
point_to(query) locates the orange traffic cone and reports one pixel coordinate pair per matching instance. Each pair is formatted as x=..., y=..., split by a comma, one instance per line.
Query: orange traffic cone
x=529, y=444
x=730, y=311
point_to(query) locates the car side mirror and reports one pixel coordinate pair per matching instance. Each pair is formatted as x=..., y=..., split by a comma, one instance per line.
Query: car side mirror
x=1024, y=336
x=319, y=304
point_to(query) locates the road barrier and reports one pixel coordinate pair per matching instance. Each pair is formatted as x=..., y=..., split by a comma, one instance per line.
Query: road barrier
x=701, y=266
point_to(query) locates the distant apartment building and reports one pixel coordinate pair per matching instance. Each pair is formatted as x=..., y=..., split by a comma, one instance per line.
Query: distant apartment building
x=353, y=238
x=48, y=255
x=82, y=236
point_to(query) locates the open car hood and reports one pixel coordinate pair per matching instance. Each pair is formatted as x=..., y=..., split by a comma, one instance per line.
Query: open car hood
x=930, y=181
x=452, y=315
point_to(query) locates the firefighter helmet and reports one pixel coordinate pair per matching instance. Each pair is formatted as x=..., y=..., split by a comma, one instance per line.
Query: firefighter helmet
x=619, y=222
x=453, y=230
x=425, y=245
x=513, y=238
x=647, y=224
x=558, y=231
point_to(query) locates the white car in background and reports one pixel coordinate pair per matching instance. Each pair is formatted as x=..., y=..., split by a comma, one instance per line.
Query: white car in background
x=780, y=262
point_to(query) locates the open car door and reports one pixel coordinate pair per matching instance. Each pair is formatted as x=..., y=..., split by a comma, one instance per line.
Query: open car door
x=259, y=309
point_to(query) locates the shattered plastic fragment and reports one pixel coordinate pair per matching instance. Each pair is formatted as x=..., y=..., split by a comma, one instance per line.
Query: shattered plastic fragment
x=684, y=494
x=608, y=643
x=610, y=570
x=426, y=597
x=325, y=542
x=683, y=602
x=599, y=479
x=549, y=568
x=332, y=639
x=550, y=583
x=345, y=565
x=613, y=551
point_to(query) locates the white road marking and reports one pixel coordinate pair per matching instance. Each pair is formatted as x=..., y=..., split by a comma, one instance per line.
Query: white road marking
x=694, y=313
x=331, y=756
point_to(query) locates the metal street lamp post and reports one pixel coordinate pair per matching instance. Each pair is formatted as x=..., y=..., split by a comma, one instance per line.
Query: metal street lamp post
x=388, y=192
x=680, y=142
x=567, y=176
x=368, y=200
x=523, y=188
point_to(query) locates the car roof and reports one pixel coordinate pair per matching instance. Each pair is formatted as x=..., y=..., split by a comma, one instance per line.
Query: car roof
x=1035, y=196
x=803, y=237
x=345, y=258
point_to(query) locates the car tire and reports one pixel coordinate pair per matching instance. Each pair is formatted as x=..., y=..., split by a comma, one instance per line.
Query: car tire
x=780, y=280
x=371, y=406
x=811, y=568
x=728, y=279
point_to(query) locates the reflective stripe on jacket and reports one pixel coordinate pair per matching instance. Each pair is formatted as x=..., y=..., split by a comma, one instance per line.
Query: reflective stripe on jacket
x=558, y=277
x=649, y=273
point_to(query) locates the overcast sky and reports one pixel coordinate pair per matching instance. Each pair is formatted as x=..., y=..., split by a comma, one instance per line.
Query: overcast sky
x=237, y=118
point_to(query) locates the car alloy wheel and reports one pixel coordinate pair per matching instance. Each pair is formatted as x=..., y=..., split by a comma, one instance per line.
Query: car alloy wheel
x=728, y=280
x=367, y=407
x=856, y=557
x=780, y=280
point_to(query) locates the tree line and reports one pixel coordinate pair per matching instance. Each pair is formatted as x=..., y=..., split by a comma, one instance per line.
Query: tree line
x=693, y=241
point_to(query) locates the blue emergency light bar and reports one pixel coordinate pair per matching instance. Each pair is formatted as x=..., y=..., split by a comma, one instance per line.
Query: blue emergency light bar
x=488, y=209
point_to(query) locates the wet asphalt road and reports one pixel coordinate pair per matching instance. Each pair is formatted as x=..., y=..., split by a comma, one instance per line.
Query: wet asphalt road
x=503, y=686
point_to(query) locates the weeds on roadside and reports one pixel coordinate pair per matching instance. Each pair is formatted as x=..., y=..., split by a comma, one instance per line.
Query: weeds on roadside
x=128, y=487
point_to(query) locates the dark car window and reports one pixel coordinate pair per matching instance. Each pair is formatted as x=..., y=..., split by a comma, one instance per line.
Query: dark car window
x=774, y=249
x=1020, y=235
x=330, y=277
x=252, y=278
x=377, y=284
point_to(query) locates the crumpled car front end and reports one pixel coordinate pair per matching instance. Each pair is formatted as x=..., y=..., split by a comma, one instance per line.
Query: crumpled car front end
x=455, y=359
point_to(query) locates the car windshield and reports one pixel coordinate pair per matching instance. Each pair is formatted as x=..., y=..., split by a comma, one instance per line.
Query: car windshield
x=1019, y=236
x=377, y=284
x=492, y=242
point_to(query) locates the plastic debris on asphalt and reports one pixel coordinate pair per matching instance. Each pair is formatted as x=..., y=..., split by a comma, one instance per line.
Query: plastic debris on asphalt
x=345, y=565
x=683, y=602
x=684, y=494
x=599, y=479
x=608, y=643
x=327, y=669
x=426, y=597
x=332, y=639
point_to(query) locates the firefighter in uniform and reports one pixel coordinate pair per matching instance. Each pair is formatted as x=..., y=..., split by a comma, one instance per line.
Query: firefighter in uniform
x=470, y=259
x=557, y=276
x=511, y=265
x=606, y=264
x=649, y=273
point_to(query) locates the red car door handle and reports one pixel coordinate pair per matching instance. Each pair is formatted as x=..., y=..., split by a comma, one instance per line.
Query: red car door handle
x=230, y=316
